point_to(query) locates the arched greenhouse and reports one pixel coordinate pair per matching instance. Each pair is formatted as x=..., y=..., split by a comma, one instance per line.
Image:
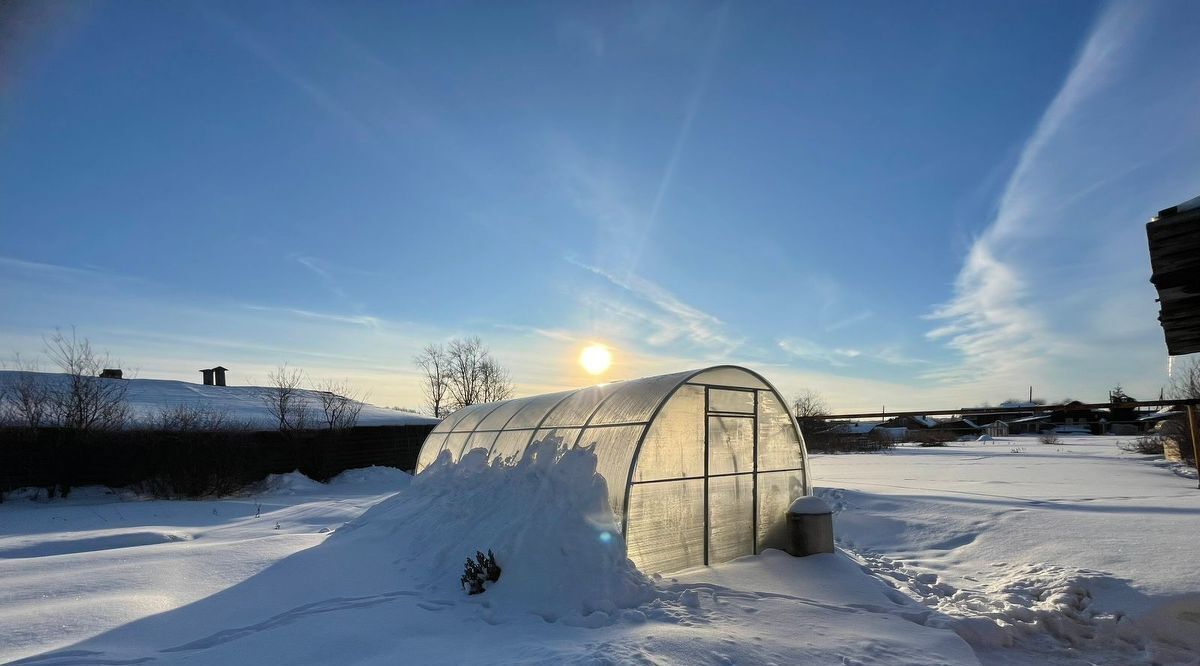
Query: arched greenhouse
x=701, y=465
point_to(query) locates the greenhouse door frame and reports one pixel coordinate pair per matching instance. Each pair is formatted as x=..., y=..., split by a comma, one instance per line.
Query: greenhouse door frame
x=752, y=416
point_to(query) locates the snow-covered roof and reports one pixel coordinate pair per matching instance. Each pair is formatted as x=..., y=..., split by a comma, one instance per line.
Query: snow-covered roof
x=856, y=428
x=241, y=404
x=1009, y=404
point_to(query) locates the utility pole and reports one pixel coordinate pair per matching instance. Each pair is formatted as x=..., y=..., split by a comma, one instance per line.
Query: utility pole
x=1194, y=430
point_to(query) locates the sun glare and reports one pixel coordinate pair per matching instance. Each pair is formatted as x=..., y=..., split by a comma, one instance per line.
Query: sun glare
x=595, y=359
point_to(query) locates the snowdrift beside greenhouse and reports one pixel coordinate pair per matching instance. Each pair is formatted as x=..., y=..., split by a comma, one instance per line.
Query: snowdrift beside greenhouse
x=546, y=517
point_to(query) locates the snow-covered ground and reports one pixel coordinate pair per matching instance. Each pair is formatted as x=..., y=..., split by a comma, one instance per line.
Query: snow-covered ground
x=239, y=404
x=1075, y=553
x=1000, y=552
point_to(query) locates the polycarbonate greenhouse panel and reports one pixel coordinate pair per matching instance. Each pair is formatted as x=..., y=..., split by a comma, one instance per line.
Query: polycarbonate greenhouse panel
x=674, y=445
x=478, y=413
x=726, y=400
x=430, y=450
x=666, y=525
x=564, y=436
x=480, y=440
x=614, y=447
x=730, y=517
x=730, y=444
x=778, y=446
x=455, y=442
x=448, y=422
x=500, y=416
x=636, y=401
x=577, y=409
x=776, y=490
x=671, y=431
x=510, y=444
x=536, y=409
x=729, y=376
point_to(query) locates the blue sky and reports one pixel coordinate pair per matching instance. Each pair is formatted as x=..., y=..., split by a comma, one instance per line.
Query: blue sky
x=901, y=204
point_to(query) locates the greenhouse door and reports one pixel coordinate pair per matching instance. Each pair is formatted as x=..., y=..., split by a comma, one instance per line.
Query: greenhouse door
x=731, y=439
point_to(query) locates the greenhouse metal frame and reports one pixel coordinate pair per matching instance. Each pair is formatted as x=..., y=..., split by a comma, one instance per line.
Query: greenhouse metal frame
x=700, y=465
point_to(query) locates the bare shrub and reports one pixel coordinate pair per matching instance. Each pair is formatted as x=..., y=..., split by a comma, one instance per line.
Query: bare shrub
x=284, y=398
x=1146, y=444
x=86, y=402
x=1049, y=438
x=195, y=418
x=27, y=400
x=880, y=440
x=340, y=404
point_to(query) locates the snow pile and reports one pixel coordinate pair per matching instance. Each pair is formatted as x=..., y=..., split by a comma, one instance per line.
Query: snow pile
x=984, y=438
x=291, y=483
x=373, y=476
x=546, y=517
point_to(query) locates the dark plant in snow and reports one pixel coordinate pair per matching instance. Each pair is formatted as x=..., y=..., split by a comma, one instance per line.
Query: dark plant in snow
x=483, y=569
x=1146, y=444
x=1049, y=438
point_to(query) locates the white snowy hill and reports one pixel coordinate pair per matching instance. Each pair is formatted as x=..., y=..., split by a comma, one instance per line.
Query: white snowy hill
x=242, y=404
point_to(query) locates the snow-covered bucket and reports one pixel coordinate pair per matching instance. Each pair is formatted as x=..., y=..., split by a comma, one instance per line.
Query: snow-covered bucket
x=810, y=527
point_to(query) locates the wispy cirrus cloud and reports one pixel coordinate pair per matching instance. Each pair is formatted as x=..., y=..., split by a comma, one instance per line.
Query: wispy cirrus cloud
x=668, y=318
x=356, y=320
x=839, y=357
x=1025, y=302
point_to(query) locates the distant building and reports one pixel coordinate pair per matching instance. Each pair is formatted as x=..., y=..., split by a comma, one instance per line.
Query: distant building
x=996, y=429
x=214, y=376
x=111, y=373
x=909, y=422
x=961, y=427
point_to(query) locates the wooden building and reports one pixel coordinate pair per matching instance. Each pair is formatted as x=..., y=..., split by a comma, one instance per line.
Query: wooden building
x=1174, y=238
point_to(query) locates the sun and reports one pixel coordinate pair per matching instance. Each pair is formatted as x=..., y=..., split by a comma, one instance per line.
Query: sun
x=595, y=358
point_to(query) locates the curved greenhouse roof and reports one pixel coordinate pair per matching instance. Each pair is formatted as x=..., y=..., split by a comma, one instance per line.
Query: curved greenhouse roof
x=701, y=465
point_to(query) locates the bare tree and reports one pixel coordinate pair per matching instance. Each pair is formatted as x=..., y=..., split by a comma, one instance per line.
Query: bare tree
x=340, y=404
x=809, y=409
x=495, y=382
x=809, y=403
x=27, y=402
x=472, y=375
x=85, y=402
x=1185, y=380
x=284, y=398
x=460, y=374
x=466, y=357
x=1185, y=385
x=435, y=385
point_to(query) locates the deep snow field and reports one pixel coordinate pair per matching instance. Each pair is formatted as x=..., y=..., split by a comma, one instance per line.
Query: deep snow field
x=1004, y=552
